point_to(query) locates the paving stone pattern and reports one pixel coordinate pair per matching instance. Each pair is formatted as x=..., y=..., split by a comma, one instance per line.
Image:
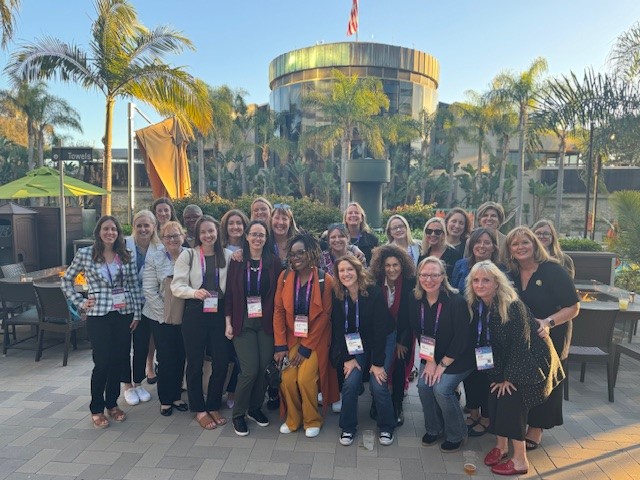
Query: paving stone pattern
x=46, y=433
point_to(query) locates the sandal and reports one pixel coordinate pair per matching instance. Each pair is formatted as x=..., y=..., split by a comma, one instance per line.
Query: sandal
x=166, y=411
x=206, y=421
x=219, y=419
x=530, y=444
x=99, y=420
x=117, y=414
x=477, y=433
x=181, y=407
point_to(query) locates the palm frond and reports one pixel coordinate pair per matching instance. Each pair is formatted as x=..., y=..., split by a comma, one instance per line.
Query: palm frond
x=8, y=10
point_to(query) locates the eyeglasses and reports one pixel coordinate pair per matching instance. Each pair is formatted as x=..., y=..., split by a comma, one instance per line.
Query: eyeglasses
x=427, y=276
x=543, y=235
x=297, y=254
x=399, y=228
x=437, y=233
x=171, y=237
x=281, y=206
x=256, y=235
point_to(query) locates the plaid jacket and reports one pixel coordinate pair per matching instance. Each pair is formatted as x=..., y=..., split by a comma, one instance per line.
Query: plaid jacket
x=99, y=287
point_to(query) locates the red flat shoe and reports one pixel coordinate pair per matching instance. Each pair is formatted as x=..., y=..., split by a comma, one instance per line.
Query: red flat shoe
x=507, y=468
x=494, y=457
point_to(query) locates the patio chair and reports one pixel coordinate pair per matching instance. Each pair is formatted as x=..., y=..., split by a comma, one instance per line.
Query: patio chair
x=592, y=342
x=25, y=294
x=13, y=270
x=56, y=317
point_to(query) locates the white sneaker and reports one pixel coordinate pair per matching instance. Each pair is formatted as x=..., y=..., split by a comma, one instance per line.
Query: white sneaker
x=336, y=407
x=312, y=432
x=143, y=395
x=131, y=396
x=320, y=399
x=285, y=429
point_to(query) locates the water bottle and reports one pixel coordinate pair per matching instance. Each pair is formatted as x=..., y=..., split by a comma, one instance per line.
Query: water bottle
x=367, y=439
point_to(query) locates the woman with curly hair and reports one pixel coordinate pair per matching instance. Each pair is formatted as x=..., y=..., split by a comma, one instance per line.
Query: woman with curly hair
x=394, y=272
x=302, y=331
x=361, y=327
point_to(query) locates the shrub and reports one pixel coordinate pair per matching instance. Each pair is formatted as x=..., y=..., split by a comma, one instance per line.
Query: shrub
x=576, y=244
x=629, y=279
x=211, y=204
x=416, y=214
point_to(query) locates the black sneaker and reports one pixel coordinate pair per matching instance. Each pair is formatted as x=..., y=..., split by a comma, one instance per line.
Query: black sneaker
x=450, y=447
x=258, y=417
x=240, y=426
x=428, y=440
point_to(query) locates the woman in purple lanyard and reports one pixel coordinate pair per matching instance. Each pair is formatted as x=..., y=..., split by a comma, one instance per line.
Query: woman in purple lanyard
x=440, y=319
x=362, y=326
x=113, y=312
x=200, y=277
x=399, y=234
x=251, y=287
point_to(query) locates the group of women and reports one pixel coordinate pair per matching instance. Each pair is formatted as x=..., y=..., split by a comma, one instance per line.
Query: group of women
x=489, y=310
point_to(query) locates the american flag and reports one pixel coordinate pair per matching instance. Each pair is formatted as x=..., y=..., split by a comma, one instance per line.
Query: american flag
x=352, y=27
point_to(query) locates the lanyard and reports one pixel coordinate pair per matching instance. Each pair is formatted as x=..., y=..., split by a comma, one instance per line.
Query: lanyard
x=308, y=292
x=480, y=312
x=346, y=312
x=249, y=276
x=411, y=253
x=435, y=327
x=203, y=267
x=118, y=266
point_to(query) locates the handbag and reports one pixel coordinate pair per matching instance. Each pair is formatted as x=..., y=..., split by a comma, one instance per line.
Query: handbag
x=173, y=306
x=272, y=375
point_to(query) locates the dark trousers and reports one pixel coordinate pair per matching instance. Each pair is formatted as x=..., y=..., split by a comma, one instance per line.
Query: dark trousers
x=171, y=359
x=398, y=380
x=110, y=342
x=205, y=331
x=255, y=350
x=140, y=338
x=233, y=378
x=508, y=415
x=476, y=388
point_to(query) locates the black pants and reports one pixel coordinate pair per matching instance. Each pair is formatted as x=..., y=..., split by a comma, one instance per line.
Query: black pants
x=140, y=339
x=398, y=379
x=508, y=415
x=202, y=331
x=171, y=359
x=476, y=387
x=110, y=342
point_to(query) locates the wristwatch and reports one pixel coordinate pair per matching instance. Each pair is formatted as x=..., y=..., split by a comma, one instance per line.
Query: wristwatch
x=442, y=364
x=552, y=322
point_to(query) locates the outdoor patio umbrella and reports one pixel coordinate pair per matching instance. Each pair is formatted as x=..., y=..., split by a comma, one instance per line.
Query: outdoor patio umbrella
x=48, y=182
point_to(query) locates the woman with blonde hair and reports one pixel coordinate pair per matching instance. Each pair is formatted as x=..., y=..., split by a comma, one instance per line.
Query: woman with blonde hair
x=523, y=367
x=547, y=289
x=434, y=244
x=355, y=219
x=283, y=227
x=546, y=233
x=399, y=234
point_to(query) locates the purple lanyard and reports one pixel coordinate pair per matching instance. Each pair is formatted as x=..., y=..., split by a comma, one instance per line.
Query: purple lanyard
x=480, y=312
x=308, y=292
x=435, y=327
x=119, y=273
x=249, y=276
x=203, y=267
x=346, y=312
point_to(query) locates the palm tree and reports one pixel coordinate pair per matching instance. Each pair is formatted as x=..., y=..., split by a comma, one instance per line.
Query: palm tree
x=57, y=113
x=520, y=89
x=8, y=9
x=221, y=101
x=350, y=108
x=504, y=125
x=625, y=54
x=124, y=60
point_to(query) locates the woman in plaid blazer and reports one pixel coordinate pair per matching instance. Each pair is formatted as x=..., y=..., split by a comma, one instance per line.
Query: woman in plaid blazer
x=113, y=312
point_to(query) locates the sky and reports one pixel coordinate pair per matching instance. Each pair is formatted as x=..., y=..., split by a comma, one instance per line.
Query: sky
x=235, y=41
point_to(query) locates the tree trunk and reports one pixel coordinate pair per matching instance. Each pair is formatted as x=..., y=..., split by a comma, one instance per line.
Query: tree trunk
x=243, y=176
x=344, y=158
x=520, y=178
x=216, y=158
x=31, y=140
x=503, y=167
x=201, y=177
x=560, y=181
x=478, y=179
x=40, y=148
x=107, y=174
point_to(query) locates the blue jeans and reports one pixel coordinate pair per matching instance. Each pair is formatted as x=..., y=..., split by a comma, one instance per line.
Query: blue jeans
x=381, y=394
x=441, y=408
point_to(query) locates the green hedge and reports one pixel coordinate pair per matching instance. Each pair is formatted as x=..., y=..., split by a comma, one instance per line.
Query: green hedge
x=577, y=244
x=416, y=214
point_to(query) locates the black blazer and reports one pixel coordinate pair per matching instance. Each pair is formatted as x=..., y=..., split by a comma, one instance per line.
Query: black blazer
x=375, y=324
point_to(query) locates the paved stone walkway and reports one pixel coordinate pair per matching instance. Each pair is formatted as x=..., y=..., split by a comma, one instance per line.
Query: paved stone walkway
x=45, y=433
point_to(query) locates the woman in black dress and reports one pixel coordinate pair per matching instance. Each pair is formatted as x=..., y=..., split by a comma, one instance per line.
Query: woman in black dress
x=523, y=368
x=434, y=244
x=359, y=231
x=547, y=289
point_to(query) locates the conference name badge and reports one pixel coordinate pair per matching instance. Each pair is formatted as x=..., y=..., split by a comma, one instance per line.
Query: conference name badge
x=484, y=358
x=210, y=304
x=301, y=326
x=354, y=343
x=427, y=347
x=119, y=301
x=254, y=307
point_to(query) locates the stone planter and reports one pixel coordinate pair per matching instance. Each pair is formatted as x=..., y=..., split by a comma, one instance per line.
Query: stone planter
x=366, y=176
x=598, y=266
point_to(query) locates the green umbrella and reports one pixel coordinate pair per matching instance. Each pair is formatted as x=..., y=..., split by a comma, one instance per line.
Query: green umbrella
x=45, y=182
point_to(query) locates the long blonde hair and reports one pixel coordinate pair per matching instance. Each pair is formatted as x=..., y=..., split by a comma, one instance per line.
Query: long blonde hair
x=443, y=237
x=419, y=292
x=365, y=279
x=364, y=226
x=540, y=253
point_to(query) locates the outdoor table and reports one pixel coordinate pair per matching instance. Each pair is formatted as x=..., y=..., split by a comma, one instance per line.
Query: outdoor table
x=595, y=295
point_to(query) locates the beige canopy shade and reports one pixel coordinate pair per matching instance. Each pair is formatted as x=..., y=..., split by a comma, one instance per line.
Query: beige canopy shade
x=164, y=149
